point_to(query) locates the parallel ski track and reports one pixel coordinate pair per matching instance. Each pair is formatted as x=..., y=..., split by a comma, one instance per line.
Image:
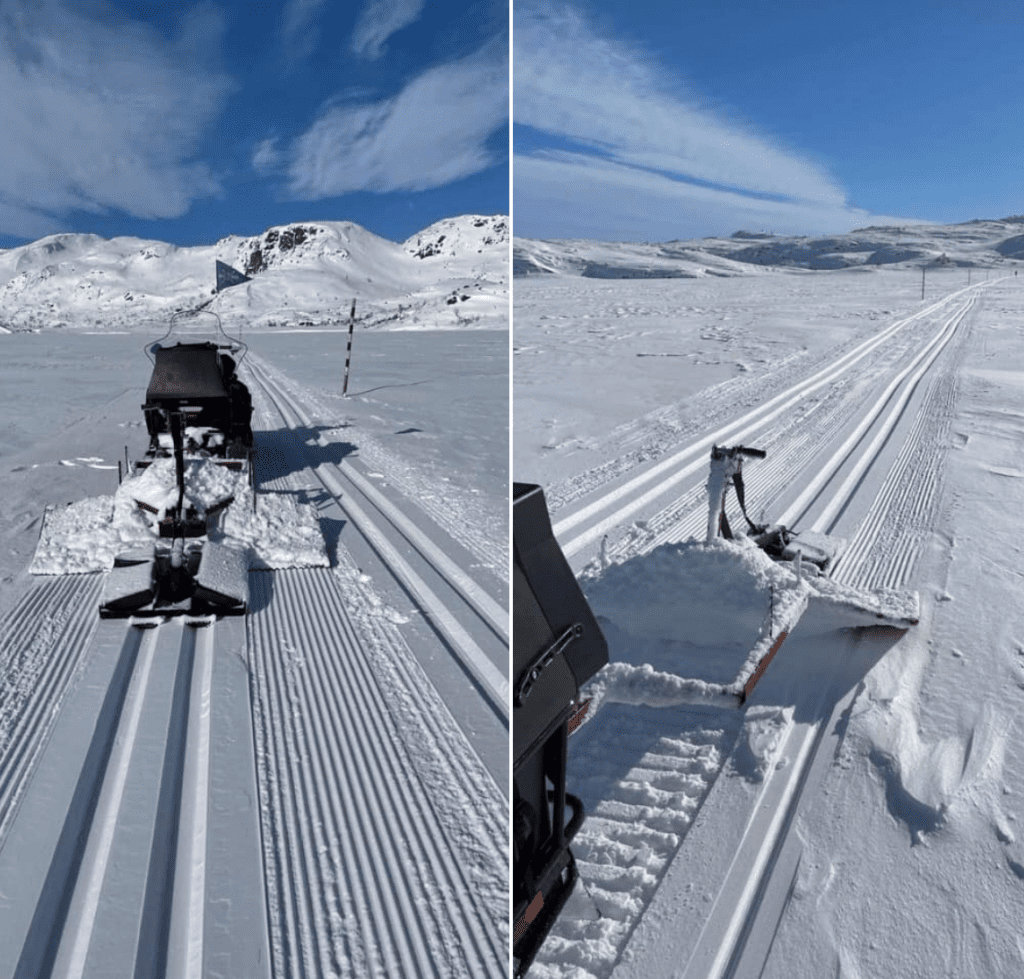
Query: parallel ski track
x=108, y=908
x=792, y=443
x=379, y=528
x=44, y=641
x=888, y=541
x=882, y=554
x=490, y=549
x=366, y=876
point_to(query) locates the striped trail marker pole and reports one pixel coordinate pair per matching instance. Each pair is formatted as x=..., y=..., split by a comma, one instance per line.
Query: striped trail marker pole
x=348, y=353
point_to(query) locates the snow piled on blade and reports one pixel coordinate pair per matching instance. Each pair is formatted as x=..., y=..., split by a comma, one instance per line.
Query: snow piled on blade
x=623, y=683
x=689, y=622
x=88, y=534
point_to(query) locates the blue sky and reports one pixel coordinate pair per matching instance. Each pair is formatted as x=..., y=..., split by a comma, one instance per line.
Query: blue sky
x=189, y=122
x=653, y=121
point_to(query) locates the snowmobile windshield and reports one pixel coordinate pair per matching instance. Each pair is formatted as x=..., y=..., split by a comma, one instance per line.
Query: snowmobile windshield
x=194, y=327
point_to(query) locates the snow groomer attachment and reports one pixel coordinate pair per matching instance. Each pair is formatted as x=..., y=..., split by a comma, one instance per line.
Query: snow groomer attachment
x=197, y=413
x=816, y=552
x=558, y=647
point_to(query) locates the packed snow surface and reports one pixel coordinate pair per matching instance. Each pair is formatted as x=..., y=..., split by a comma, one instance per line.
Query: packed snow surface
x=901, y=850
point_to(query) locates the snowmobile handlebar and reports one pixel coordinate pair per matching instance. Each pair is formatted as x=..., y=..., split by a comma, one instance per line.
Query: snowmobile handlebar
x=721, y=451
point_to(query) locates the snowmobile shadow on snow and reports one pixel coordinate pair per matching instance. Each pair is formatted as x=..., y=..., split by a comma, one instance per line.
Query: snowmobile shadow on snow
x=278, y=455
x=331, y=531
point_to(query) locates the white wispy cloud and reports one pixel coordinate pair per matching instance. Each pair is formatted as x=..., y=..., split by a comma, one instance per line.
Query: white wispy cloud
x=266, y=156
x=100, y=113
x=636, y=126
x=431, y=133
x=574, y=195
x=298, y=23
x=378, y=21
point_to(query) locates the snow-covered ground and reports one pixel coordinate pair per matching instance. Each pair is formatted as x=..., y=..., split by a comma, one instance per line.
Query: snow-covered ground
x=452, y=275
x=859, y=815
x=319, y=789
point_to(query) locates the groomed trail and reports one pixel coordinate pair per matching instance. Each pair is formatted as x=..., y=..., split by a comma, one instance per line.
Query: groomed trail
x=686, y=873
x=285, y=794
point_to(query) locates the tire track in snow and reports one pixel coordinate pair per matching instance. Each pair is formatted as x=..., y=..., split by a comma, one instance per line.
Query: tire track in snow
x=635, y=824
x=45, y=638
x=366, y=875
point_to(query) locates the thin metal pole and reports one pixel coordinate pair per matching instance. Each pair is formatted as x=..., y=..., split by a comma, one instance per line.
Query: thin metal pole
x=118, y=472
x=348, y=354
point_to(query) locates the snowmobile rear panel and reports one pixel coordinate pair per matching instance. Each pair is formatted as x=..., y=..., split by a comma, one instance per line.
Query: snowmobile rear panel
x=558, y=646
x=554, y=626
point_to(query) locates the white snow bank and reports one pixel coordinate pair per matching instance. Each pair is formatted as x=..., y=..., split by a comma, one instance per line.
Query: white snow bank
x=87, y=535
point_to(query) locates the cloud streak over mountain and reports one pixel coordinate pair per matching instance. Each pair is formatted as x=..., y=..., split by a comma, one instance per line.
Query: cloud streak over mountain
x=638, y=140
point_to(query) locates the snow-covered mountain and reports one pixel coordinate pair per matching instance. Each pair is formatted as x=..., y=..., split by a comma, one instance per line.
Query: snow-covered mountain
x=974, y=244
x=452, y=274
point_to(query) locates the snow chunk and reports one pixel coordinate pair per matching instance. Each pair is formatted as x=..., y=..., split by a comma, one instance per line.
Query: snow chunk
x=765, y=730
x=87, y=535
x=690, y=592
x=282, y=533
x=623, y=683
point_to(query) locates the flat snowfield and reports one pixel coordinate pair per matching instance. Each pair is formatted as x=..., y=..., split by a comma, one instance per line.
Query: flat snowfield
x=861, y=814
x=318, y=788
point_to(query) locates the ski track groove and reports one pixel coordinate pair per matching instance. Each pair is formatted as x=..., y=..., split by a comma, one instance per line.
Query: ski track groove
x=490, y=551
x=905, y=331
x=889, y=540
x=357, y=794
x=883, y=553
x=472, y=657
x=790, y=443
x=86, y=899
x=46, y=636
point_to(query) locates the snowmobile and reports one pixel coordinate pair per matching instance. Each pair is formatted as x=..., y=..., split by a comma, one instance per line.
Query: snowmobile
x=196, y=409
x=558, y=646
x=814, y=551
